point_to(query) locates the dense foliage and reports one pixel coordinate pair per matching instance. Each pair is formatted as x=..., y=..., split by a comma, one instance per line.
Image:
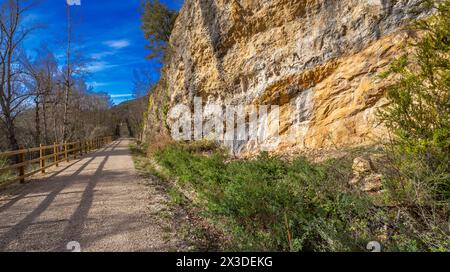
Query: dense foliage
x=419, y=110
x=157, y=23
x=418, y=116
x=268, y=203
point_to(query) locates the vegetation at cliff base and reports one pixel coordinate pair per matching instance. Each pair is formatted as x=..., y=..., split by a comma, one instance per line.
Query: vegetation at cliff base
x=271, y=204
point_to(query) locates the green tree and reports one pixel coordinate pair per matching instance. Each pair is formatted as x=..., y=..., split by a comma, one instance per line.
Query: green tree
x=418, y=113
x=157, y=24
x=418, y=178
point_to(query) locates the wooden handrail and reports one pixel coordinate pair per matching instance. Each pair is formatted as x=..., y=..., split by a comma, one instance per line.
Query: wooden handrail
x=8, y=154
x=57, y=150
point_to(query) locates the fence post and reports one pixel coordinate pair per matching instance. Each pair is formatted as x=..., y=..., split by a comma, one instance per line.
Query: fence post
x=66, y=155
x=81, y=148
x=55, y=154
x=42, y=159
x=21, y=158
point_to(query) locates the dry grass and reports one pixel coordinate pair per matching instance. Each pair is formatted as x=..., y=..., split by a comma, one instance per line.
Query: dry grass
x=157, y=143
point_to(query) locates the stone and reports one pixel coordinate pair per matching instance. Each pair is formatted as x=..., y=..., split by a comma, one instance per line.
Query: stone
x=372, y=183
x=364, y=176
x=361, y=166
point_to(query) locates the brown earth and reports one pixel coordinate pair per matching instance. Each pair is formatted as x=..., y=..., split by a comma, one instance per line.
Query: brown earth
x=98, y=201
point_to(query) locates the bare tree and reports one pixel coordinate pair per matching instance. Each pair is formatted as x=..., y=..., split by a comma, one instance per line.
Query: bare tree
x=143, y=82
x=42, y=72
x=12, y=91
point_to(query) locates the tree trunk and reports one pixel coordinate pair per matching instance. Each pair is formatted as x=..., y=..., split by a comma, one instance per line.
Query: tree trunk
x=44, y=116
x=55, y=123
x=68, y=82
x=11, y=131
x=37, y=124
x=66, y=112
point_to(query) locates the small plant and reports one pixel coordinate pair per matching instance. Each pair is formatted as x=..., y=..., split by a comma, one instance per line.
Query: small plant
x=6, y=175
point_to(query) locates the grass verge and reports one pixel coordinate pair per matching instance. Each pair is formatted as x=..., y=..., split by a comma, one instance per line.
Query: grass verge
x=194, y=229
x=272, y=204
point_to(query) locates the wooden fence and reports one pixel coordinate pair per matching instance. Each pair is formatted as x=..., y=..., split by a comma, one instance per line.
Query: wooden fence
x=43, y=157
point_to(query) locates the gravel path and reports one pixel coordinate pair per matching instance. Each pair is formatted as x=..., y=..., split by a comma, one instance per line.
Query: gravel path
x=98, y=201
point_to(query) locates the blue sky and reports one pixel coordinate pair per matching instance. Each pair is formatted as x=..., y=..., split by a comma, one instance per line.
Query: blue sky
x=105, y=32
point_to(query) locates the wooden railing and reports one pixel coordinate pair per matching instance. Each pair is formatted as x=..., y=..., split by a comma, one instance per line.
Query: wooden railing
x=44, y=157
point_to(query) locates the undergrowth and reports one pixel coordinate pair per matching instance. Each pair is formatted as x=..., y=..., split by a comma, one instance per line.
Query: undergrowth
x=271, y=204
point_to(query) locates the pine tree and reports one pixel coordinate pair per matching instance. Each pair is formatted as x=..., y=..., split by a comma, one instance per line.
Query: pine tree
x=157, y=23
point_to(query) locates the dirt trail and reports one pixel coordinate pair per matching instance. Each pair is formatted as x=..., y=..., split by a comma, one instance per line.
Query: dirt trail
x=98, y=201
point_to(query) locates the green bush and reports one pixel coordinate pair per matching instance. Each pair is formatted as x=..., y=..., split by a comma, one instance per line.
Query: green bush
x=417, y=178
x=418, y=114
x=273, y=204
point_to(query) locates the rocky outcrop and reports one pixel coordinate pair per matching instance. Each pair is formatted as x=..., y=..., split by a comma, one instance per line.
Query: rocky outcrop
x=365, y=176
x=318, y=60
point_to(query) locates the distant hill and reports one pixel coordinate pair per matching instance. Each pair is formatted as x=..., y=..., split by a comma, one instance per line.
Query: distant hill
x=128, y=117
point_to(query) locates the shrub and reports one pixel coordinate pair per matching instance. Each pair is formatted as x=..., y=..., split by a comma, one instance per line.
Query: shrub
x=417, y=178
x=6, y=175
x=418, y=114
x=157, y=142
x=272, y=204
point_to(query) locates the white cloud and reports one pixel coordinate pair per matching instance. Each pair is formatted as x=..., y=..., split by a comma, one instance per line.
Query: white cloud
x=118, y=44
x=97, y=84
x=101, y=55
x=120, y=95
x=98, y=66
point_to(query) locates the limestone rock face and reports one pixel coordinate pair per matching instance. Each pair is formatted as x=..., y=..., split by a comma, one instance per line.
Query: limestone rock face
x=318, y=60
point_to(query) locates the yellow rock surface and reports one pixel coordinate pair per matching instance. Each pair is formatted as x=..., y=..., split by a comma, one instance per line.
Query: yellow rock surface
x=319, y=60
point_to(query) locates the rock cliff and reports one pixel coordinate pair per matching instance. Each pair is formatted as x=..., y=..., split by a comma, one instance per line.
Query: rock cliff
x=318, y=60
